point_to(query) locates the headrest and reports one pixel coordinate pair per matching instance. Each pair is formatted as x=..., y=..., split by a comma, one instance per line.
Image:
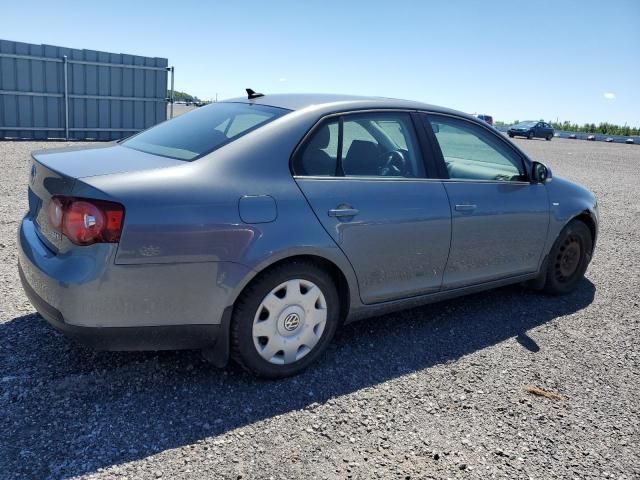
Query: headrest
x=321, y=138
x=363, y=158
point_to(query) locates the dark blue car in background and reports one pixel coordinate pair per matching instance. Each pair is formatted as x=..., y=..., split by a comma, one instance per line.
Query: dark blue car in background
x=531, y=129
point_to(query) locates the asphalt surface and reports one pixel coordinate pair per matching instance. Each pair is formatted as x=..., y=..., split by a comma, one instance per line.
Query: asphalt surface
x=434, y=392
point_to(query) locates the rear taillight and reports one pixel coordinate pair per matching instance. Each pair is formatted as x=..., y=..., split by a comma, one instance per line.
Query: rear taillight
x=85, y=221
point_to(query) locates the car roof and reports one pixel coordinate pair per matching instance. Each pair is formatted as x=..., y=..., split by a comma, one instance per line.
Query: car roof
x=299, y=101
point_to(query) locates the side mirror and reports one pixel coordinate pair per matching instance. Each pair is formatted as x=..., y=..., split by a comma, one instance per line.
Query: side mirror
x=540, y=173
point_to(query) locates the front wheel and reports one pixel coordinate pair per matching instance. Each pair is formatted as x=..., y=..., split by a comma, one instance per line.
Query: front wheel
x=285, y=320
x=530, y=136
x=569, y=258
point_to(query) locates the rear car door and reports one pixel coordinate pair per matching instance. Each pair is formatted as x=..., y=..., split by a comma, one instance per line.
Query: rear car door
x=363, y=175
x=499, y=218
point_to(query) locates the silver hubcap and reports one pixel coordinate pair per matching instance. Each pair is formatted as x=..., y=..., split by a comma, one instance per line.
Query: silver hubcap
x=289, y=322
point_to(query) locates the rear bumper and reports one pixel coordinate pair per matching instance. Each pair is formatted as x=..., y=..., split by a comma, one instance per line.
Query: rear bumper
x=170, y=337
x=86, y=296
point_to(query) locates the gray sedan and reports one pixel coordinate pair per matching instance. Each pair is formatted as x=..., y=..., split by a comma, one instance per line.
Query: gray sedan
x=253, y=228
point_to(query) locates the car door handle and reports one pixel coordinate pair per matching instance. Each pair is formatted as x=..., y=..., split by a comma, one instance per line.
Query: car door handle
x=343, y=212
x=465, y=207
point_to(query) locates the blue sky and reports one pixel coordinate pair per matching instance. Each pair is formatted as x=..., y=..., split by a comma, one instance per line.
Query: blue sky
x=572, y=60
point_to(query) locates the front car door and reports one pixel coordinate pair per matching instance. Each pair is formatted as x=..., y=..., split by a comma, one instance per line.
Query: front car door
x=499, y=218
x=541, y=130
x=363, y=175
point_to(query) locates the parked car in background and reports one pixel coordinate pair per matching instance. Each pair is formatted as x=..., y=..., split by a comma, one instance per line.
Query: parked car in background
x=592, y=138
x=629, y=140
x=485, y=118
x=572, y=136
x=609, y=139
x=254, y=228
x=531, y=129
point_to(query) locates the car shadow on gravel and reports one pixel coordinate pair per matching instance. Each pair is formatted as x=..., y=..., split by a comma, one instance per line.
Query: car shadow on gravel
x=67, y=410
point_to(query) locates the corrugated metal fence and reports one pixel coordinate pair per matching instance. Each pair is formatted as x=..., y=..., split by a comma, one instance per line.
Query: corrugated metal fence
x=57, y=92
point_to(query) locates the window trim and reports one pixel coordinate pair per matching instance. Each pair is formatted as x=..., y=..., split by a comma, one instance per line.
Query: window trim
x=339, y=152
x=420, y=144
x=444, y=173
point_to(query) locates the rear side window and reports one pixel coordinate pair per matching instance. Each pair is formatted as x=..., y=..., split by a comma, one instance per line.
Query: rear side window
x=362, y=145
x=319, y=155
x=192, y=135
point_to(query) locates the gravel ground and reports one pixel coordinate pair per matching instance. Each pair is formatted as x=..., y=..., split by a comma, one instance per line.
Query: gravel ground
x=434, y=392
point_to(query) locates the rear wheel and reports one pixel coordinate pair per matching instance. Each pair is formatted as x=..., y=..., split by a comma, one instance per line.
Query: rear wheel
x=530, y=136
x=284, y=320
x=569, y=258
x=510, y=135
x=548, y=137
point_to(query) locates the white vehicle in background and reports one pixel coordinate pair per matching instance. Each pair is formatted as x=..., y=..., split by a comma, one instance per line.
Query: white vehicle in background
x=485, y=118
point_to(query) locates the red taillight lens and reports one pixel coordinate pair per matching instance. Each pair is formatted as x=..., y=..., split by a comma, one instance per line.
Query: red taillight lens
x=85, y=221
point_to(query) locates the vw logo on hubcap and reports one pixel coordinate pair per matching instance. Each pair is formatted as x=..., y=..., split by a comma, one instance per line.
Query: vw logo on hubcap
x=291, y=322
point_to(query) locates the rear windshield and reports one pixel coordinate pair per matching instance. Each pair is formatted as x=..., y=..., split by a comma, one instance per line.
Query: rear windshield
x=194, y=134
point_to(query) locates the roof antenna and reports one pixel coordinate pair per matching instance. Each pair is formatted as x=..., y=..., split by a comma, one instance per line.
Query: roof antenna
x=251, y=94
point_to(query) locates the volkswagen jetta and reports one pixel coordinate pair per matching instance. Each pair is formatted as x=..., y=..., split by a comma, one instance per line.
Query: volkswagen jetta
x=253, y=228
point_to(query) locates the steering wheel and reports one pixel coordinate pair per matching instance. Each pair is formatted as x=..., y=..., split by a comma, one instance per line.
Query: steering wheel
x=395, y=164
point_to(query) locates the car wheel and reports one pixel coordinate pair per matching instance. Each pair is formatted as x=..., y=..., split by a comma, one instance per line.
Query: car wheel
x=530, y=136
x=284, y=320
x=548, y=138
x=569, y=258
x=510, y=136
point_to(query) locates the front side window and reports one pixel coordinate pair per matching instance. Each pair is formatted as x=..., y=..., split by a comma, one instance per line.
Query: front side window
x=524, y=125
x=362, y=145
x=194, y=134
x=472, y=153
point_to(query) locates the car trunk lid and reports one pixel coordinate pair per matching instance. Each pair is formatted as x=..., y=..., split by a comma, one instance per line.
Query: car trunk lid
x=57, y=172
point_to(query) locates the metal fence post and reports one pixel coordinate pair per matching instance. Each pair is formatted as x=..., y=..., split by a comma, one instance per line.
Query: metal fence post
x=66, y=99
x=171, y=96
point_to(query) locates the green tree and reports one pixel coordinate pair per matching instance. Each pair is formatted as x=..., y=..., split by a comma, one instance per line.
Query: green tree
x=183, y=97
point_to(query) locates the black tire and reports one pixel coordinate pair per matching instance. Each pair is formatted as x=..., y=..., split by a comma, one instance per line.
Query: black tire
x=510, y=135
x=243, y=350
x=548, y=137
x=530, y=136
x=569, y=258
